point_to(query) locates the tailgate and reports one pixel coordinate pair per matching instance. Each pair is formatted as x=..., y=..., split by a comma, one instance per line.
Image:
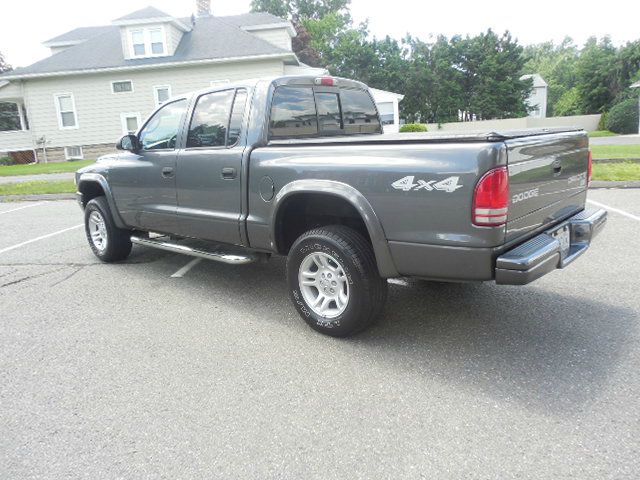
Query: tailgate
x=547, y=180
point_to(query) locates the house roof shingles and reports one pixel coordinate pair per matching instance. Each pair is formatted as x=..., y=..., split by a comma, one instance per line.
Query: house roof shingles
x=143, y=13
x=212, y=38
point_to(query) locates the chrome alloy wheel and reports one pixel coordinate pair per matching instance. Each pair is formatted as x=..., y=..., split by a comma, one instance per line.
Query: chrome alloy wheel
x=98, y=231
x=324, y=285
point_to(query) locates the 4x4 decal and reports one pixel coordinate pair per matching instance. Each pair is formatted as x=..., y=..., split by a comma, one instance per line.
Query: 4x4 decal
x=409, y=184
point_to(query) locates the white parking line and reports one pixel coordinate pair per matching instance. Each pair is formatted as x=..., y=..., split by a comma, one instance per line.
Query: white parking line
x=8, y=249
x=183, y=271
x=621, y=212
x=22, y=208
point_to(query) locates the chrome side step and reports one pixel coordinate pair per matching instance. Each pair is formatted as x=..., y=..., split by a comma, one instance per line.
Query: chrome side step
x=230, y=258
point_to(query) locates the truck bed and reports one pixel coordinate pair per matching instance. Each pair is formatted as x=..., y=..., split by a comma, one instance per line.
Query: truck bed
x=479, y=136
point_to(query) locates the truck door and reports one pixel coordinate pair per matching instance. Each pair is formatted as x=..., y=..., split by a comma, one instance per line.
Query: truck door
x=209, y=169
x=144, y=185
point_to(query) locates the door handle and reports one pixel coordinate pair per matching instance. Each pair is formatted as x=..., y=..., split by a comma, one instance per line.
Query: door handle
x=228, y=173
x=167, y=172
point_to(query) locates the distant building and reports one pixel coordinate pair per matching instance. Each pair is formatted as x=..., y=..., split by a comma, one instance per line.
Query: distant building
x=538, y=98
x=101, y=82
x=389, y=109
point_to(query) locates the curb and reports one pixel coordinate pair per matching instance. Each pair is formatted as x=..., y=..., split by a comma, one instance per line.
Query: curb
x=37, y=198
x=596, y=184
x=616, y=160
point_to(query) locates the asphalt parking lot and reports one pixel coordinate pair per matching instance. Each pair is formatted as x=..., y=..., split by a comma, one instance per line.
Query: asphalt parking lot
x=123, y=371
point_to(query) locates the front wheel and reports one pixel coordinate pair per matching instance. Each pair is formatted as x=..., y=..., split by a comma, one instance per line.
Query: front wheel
x=108, y=242
x=334, y=282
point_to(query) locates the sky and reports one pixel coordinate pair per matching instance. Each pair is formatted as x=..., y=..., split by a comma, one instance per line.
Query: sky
x=26, y=24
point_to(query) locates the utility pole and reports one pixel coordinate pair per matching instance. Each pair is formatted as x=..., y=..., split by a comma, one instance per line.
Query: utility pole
x=637, y=85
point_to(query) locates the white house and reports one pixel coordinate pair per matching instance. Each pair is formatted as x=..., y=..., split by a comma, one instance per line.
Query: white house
x=538, y=98
x=389, y=109
x=101, y=82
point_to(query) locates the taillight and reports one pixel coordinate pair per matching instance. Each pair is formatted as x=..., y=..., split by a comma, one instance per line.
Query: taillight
x=326, y=81
x=590, y=168
x=491, y=198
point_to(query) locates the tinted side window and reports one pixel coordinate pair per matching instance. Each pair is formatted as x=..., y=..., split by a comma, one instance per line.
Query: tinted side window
x=328, y=111
x=210, y=119
x=237, y=115
x=293, y=113
x=161, y=130
x=359, y=112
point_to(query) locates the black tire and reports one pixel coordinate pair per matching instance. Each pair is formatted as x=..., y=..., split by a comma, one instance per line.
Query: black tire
x=367, y=291
x=118, y=244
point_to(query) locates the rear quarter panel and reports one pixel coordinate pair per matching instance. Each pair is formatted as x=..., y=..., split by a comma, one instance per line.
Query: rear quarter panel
x=419, y=215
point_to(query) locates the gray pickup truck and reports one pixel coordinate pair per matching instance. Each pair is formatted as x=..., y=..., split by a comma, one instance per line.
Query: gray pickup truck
x=298, y=166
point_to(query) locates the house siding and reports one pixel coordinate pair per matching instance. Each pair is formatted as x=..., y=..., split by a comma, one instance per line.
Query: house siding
x=275, y=36
x=174, y=36
x=98, y=110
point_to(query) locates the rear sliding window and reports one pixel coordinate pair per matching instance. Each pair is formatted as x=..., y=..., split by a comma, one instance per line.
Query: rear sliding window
x=301, y=112
x=293, y=113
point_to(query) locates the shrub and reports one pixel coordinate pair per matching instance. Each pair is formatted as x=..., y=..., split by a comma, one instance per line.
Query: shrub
x=623, y=117
x=603, y=121
x=6, y=161
x=413, y=127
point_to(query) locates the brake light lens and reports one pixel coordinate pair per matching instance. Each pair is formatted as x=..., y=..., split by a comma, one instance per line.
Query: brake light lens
x=491, y=198
x=590, y=168
x=326, y=81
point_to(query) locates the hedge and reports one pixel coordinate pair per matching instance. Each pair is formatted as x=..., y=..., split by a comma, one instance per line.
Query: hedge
x=413, y=127
x=623, y=117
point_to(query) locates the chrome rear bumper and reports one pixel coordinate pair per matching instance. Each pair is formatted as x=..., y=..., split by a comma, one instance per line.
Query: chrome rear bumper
x=543, y=253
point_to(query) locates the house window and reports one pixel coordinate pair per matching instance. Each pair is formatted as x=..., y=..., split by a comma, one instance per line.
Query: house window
x=9, y=117
x=122, y=86
x=161, y=94
x=137, y=42
x=157, y=41
x=130, y=123
x=147, y=42
x=73, y=153
x=66, y=108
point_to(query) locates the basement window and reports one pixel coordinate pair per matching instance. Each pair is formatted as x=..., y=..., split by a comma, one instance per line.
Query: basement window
x=73, y=153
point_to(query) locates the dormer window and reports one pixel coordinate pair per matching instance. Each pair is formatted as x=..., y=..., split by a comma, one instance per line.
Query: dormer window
x=147, y=42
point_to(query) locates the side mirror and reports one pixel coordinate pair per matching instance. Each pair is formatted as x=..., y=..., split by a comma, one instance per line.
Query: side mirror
x=129, y=143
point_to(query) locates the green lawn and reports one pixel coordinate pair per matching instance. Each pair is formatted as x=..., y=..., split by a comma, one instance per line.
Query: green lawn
x=616, y=171
x=615, y=151
x=601, y=133
x=37, y=187
x=38, y=168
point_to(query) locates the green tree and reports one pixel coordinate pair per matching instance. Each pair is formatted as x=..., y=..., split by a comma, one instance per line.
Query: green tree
x=492, y=66
x=279, y=8
x=568, y=104
x=557, y=66
x=595, y=74
x=627, y=71
x=4, y=66
x=302, y=9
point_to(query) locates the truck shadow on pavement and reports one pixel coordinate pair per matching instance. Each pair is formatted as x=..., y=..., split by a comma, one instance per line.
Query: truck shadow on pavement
x=548, y=351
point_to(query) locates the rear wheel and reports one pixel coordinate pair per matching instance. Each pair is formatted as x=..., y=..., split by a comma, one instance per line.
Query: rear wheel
x=334, y=281
x=108, y=242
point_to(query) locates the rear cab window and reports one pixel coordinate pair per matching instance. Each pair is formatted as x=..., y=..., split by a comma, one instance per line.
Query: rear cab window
x=307, y=111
